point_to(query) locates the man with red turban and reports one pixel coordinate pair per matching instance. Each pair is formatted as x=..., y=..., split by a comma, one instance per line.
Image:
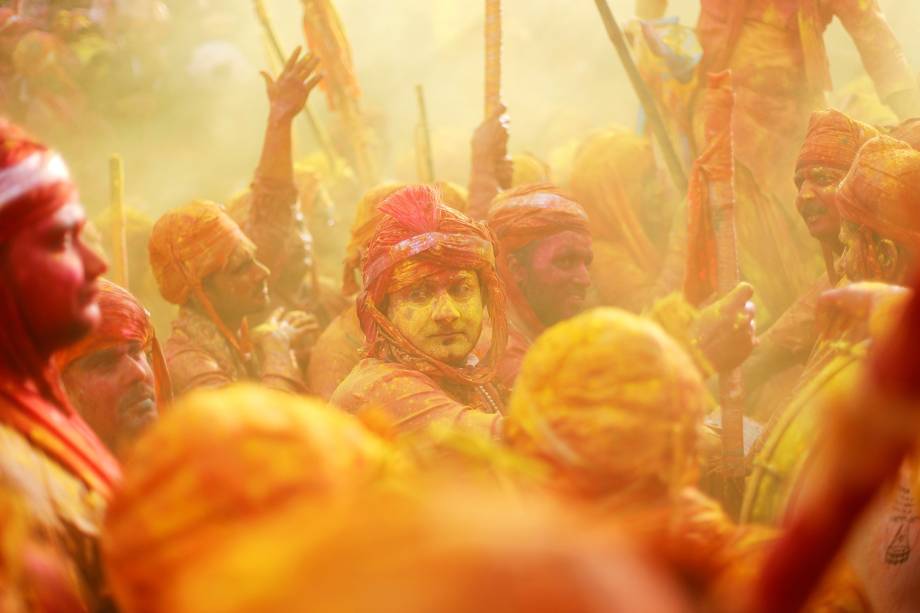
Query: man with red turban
x=204, y=263
x=116, y=376
x=47, y=301
x=544, y=258
x=429, y=271
x=781, y=73
x=832, y=143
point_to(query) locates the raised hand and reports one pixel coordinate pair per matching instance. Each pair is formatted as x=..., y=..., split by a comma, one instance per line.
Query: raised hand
x=288, y=94
x=727, y=331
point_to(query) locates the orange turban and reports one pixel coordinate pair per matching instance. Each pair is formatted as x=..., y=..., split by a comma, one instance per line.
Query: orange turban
x=362, y=231
x=833, y=140
x=882, y=191
x=612, y=403
x=608, y=173
x=526, y=214
x=190, y=243
x=124, y=319
x=530, y=213
x=908, y=131
x=222, y=463
x=417, y=226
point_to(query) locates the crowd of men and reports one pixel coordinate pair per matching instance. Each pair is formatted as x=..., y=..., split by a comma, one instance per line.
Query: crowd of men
x=523, y=395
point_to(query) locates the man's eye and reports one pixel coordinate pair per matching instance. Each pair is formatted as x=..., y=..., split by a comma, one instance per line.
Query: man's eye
x=462, y=290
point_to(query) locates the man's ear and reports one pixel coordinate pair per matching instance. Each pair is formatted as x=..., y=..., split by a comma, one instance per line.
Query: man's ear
x=518, y=269
x=889, y=259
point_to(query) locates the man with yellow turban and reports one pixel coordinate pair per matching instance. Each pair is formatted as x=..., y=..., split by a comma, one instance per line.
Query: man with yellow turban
x=878, y=204
x=429, y=273
x=545, y=251
x=116, y=376
x=204, y=263
x=614, y=407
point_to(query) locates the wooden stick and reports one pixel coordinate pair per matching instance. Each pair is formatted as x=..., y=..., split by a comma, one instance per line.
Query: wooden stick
x=119, y=225
x=675, y=168
x=424, y=154
x=493, y=39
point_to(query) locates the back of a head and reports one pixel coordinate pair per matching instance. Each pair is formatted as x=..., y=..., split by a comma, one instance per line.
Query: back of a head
x=611, y=402
x=882, y=191
x=447, y=550
x=220, y=463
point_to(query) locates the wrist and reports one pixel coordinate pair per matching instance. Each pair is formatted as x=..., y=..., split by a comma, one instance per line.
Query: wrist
x=280, y=118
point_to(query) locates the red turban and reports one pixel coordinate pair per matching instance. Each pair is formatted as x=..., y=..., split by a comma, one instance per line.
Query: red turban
x=833, y=140
x=524, y=215
x=417, y=225
x=124, y=319
x=35, y=184
x=882, y=191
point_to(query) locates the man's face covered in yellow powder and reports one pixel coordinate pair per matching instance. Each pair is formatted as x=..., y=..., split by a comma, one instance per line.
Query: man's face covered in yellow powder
x=441, y=314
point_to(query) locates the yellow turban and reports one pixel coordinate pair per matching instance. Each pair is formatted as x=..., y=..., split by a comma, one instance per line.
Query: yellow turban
x=611, y=402
x=190, y=243
x=220, y=463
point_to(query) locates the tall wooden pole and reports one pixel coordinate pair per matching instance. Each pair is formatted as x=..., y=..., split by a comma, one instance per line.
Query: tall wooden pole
x=424, y=155
x=493, y=40
x=119, y=226
x=676, y=170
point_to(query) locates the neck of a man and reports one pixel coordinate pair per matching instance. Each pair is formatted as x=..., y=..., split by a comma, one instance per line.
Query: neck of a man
x=229, y=317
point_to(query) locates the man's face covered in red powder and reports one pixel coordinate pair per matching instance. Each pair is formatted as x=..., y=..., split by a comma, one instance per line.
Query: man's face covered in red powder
x=553, y=275
x=114, y=390
x=53, y=274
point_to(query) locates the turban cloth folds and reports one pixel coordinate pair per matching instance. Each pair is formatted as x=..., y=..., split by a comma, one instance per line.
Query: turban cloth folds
x=124, y=319
x=418, y=236
x=612, y=402
x=523, y=216
x=189, y=244
x=881, y=193
x=833, y=140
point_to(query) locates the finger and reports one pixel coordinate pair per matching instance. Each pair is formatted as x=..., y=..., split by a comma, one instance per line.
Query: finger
x=292, y=61
x=307, y=65
x=313, y=82
x=268, y=79
x=737, y=298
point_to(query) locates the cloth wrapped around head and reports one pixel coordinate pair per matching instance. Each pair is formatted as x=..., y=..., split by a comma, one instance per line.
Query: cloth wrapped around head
x=187, y=245
x=881, y=193
x=124, y=319
x=225, y=462
x=524, y=215
x=190, y=243
x=608, y=174
x=612, y=403
x=833, y=140
x=419, y=236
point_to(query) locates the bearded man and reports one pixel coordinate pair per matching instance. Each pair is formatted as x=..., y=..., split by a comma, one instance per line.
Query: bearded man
x=544, y=260
x=48, y=454
x=832, y=143
x=429, y=273
x=116, y=376
x=204, y=263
